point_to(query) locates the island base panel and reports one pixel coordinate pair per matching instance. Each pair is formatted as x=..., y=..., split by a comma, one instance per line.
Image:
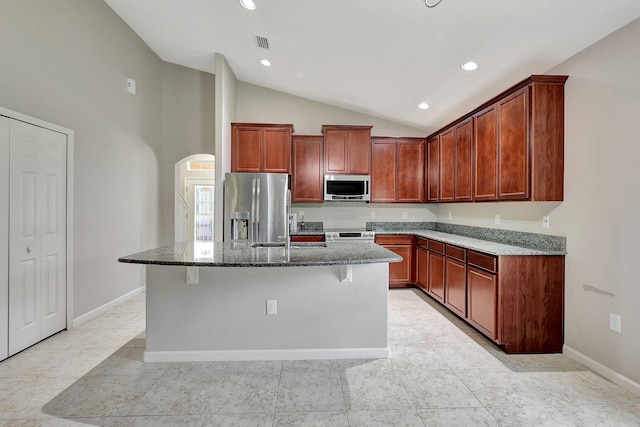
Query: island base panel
x=223, y=317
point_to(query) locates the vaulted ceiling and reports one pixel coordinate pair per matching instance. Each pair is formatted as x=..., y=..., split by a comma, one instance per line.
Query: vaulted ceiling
x=379, y=57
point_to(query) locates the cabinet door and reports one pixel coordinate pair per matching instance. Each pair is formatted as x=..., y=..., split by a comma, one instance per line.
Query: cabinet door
x=463, y=162
x=246, y=149
x=335, y=151
x=456, y=287
x=400, y=272
x=447, y=166
x=513, y=154
x=433, y=169
x=307, y=177
x=482, y=301
x=383, y=171
x=410, y=171
x=276, y=150
x=422, y=268
x=436, y=275
x=485, y=155
x=359, y=151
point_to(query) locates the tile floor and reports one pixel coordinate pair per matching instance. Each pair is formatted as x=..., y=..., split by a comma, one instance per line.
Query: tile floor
x=441, y=373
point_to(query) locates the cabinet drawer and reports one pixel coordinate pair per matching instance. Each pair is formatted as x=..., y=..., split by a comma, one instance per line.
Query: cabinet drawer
x=436, y=247
x=422, y=243
x=484, y=261
x=456, y=253
x=308, y=238
x=395, y=239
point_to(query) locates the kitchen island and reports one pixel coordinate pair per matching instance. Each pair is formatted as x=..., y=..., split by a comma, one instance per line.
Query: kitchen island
x=211, y=301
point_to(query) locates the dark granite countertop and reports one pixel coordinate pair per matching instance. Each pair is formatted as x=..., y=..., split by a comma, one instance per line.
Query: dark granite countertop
x=234, y=254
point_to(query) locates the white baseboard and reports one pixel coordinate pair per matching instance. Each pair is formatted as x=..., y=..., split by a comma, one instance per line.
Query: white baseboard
x=599, y=368
x=98, y=311
x=245, y=355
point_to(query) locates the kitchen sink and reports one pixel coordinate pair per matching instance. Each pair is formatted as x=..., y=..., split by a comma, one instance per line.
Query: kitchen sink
x=309, y=245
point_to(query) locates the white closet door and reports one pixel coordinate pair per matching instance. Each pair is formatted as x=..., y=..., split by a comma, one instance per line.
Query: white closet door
x=4, y=237
x=37, y=223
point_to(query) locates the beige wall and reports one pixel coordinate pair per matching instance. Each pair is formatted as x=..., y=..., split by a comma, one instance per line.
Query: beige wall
x=226, y=102
x=259, y=104
x=67, y=63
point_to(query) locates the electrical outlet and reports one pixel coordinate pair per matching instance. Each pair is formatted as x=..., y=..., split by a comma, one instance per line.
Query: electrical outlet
x=373, y=215
x=449, y=216
x=615, y=323
x=545, y=222
x=404, y=215
x=497, y=219
x=272, y=306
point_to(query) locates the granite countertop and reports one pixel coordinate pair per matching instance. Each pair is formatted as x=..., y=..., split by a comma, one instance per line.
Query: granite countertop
x=241, y=254
x=485, y=246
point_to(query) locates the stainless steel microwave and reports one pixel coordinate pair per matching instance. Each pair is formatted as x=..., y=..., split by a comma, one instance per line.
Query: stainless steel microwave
x=347, y=188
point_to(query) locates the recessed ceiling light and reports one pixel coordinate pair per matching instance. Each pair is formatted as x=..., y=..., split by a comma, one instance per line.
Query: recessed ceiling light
x=423, y=106
x=469, y=66
x=248, y=4
x=265, y=62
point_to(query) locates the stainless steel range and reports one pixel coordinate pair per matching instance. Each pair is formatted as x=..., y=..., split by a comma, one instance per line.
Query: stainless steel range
x=348, y=234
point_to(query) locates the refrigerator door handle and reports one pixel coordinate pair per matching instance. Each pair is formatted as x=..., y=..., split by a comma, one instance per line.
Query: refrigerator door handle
x=257, y=203
x=252, y=237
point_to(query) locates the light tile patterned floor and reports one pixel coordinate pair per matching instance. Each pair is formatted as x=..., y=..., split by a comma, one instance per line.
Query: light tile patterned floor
x=441, y=373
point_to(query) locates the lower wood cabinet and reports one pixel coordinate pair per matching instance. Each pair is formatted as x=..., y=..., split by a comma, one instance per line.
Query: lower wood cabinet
x=308, y=238
x=516, y=301
x=422, y=264
x=436, y=270
x=455, y=295
x=400, y=273
x=482, y=291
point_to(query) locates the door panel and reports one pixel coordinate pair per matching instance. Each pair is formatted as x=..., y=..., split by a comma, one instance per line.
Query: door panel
x=4, y=237
x=37, y=214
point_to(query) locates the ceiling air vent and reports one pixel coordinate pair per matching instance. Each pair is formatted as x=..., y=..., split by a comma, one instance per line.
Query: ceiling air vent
x=262, y=41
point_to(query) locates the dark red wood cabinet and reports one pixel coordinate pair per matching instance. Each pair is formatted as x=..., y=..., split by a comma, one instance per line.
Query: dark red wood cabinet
x=516, y=301
x=433, y=169
x=307, y=178
x=347, y=149
x=397, y=170
x=308, y=238
x=509, y=148
x=422, y=264
x=436, y=270
x=456, y=280
x=260, y=147
x=400, y=273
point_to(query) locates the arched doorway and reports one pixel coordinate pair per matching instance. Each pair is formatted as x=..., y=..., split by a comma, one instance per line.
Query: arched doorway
x=194, y=198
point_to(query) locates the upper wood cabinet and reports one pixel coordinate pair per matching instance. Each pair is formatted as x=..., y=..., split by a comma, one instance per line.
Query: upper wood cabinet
x=456, y=163
x=433, y=169
x=515, y=142
x=307, y=176
x=347, y=149
x=260, y=147
x=397, y=170
x=485, y=154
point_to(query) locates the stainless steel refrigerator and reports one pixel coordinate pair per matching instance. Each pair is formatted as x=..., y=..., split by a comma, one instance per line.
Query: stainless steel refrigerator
x=256, y=207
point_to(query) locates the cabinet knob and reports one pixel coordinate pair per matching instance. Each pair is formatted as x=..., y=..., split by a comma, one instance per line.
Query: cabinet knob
x=29, y=249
